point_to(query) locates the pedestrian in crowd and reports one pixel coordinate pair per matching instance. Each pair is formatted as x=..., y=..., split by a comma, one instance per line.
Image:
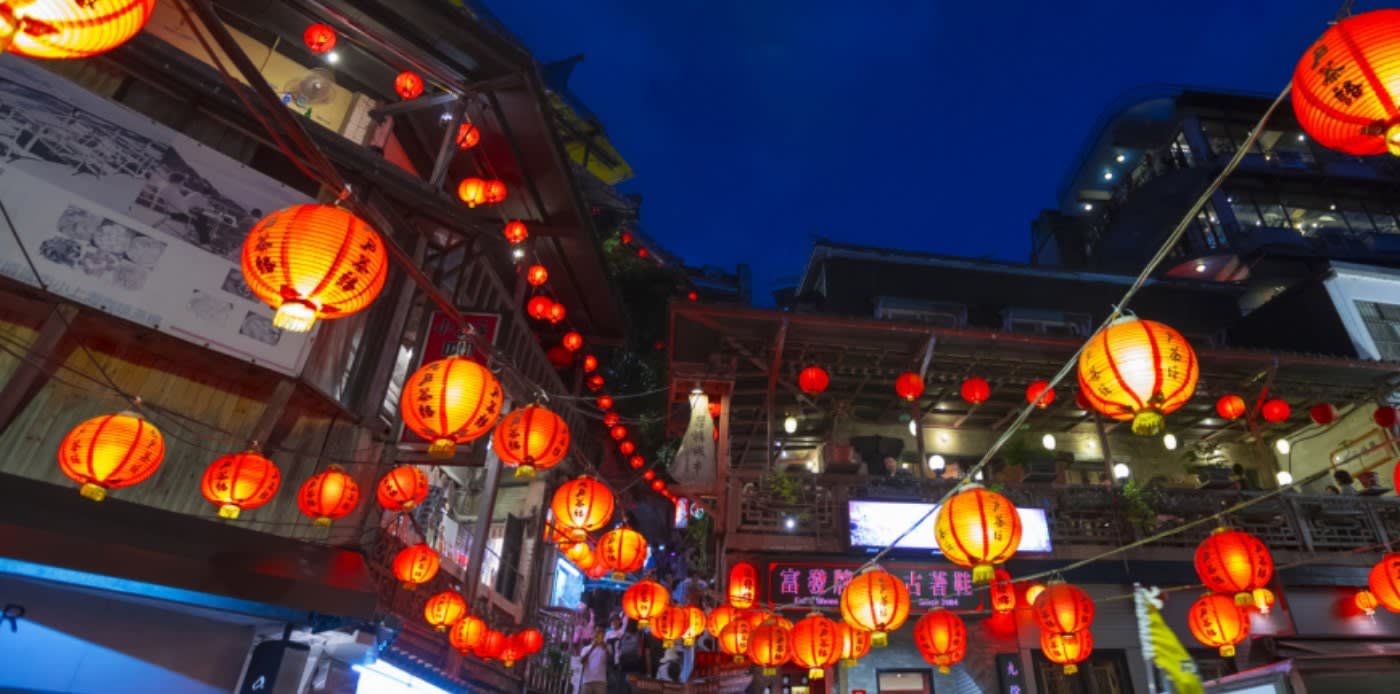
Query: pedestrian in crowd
x=1344, y=482
x=593, y=666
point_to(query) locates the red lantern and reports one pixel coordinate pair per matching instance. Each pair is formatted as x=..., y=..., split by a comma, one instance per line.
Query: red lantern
x=649, y=475
x=941, y=637
x=1002, y=594
x=536, y=275
x=734, y=639
x=1064, y=609
x=467, y=634
x=1365, y=601
x=582, y=506
x=618, y=432
x=319, y=38
x=978, y=529
x=516, y=232
x=402, y=488
x=625, y=237
x=111, y=452
x=1276, y=411
x=1034, y=390
x=1139, y=371
x=415, y=565
x=644, y=601
x=670, y=625
x=611, y=418
x=1069, y=652
x=636, y=462
x=770, y=645
x=328, y=496
x=909, y=386
x=1323, y=413
x=590, y=363
x=444, y=610
x=605, y=403
x=1344, y=88
x=409, y=85
x=240, y=481
x=855, y=643
x=658, y=486
x=1216, y=621
x=813, y=380
x=495, y=192
x=1234, y=563
x=876, y=602
x=531, y=640
x=512, y=652
x=627, y=448
x=450, y=401
x=1230, y=407
x=693, y=296
x=595, y=382
x=597, y=571
x=719, y=618
x=582, y=555
x=556, y=313
x=816, y=644
x=1033, y=592
x=1263, y=600
x=531, y=438
x=559, y=357
x=715, y=407
x=642, y=253
x=538, y=307
x=1385, y=581
x=976, y=390
x=743, y=585
x=492, y=645
x=469, y=136
x=623, y=550
x=572, y=341
x=472, y=190
x=694, y=625
x=1385, y=417
x=69, y=28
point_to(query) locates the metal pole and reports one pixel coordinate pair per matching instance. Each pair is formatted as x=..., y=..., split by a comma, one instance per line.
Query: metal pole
x=481, y=532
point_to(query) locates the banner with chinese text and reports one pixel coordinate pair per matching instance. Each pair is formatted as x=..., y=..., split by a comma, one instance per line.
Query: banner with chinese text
x=795, y=585
x=694, y=466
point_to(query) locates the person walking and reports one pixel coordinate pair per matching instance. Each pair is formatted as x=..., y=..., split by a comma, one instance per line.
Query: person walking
x=593, y=662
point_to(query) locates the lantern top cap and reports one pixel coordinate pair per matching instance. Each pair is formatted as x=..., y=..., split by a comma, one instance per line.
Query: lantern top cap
x=131, y=413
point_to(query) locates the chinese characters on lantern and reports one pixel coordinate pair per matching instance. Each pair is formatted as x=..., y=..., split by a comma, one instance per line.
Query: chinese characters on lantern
x=820, y=585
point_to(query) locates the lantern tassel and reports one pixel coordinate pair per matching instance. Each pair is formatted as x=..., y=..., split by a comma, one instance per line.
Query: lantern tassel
x=816, y=673
x=1071, y=669
x=983, y=574
x=944, y=669
x=323, y=522
x=879, y=639
x=1244, y=599
x=525, y=472
x=770, y=671
x=739, y=659
x=93, y=491
x=850, y=662
x=1227, y=651
x=294, y=316
x=229, y=511
x=443, y=448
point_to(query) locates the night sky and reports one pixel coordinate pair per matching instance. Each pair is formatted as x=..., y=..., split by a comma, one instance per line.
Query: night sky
x=756, y=125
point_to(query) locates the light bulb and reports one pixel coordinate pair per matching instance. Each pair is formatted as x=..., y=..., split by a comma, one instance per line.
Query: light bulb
x=789, y=523
x=1048, y=441
x=1121, y=471
x=913, y=427
x=977, y=477
x=1283, y=446
x=1284, y=478
x=332, y=57
x=790, y=425
x=518, y=253
x=1169, y=440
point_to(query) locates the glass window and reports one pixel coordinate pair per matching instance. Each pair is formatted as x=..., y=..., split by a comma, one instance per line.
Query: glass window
x=1384, y=217
x=1311, y=215
x=1357, y=218
x=1105, y=672
x=1218, y=137
x=1383, y=323
x=1246, y=213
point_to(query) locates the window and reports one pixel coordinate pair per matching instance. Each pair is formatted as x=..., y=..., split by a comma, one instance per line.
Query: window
x=903, y=682
x=1105, y=672
x=1035, y=321
x=1383, y=323
x=941, y=314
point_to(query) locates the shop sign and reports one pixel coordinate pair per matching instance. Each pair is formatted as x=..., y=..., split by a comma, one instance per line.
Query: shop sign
x=1010, y=674
x=792, y=585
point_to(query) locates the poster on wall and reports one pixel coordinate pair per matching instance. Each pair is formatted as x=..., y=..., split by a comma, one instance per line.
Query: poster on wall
x=129, y=217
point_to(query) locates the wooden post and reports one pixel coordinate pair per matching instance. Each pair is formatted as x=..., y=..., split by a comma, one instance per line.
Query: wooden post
x=38, y=362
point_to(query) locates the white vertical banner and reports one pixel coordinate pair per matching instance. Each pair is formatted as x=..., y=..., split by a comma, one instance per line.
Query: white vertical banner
x=694, y=465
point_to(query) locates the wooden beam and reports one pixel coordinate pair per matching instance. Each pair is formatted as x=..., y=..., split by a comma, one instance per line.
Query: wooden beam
x=37, y=365
x=778, y=342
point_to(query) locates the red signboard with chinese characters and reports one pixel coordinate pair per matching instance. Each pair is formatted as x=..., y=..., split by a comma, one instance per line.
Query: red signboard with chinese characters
x=444, y=339
x=798, y=585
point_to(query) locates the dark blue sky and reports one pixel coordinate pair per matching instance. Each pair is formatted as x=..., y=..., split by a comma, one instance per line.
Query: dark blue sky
x=754, y=125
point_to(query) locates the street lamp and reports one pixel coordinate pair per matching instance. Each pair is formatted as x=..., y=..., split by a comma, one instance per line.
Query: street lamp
x=1048, y=441
x=936, y=463
x=790, y=424
x=1169, y=440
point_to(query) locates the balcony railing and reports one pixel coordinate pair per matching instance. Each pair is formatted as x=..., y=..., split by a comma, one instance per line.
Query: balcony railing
x=809, y=513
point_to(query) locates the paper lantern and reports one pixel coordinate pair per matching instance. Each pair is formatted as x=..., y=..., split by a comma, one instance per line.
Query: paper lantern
x=627, y=448
x=644, y=601
x=559, y=357
x=582, y=555
x=590, y=363
x=623, y=550
x=1345, y=86
x=941, y=638
x=582, y=506
x=649, y=475
x=495, y=192
x=1216, y=621
x=618, y=432
x=909, y=386
x=536, y=275
x=719, y=618
x=556, y=313
x=694, y=625
x=491, y=645
x=758, y=617
x=472, y=191
x=1234, y=562
x=1034, y=390
x=855, y=643
x=595, y=382
x=530, y=640
x=813, y=380
x=538, y=307
x=1069, y=652
x=1366, y=601
x=531, y=438
x=1138, y=370
x=444, y=610
x=770, y=645
x=415, y=565
x=328, y=495
x=512, y=652
x=408, y=85
x=597, y=571
x=313, y=262
x=734, y=639
x=402, y=488
x=876, y=602
x=743, y=585
x=1276, y=410
x=469, y=136
x=978, y=529
x=62, y=29
x=670, y=625
x=1002, y=594
x=605, y=403
x=636, y=462
x=240, y=481
x=1323, y=413
x=715, y=407
x=610, y=419
x=467, y=634
x=1263, y=600
x=515, y=232
x=658, y=485
x=572, y=341
x=976, y=390
x=1385, y=417
x=1384, y=581
x=1230, y=407
x=451, y=401
x=693, y=296
x=816, y=644
x=1033, y=592
x=1064, y=609
x=319, y=38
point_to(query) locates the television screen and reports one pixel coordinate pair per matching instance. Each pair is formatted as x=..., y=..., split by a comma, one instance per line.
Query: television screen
x=878, y=523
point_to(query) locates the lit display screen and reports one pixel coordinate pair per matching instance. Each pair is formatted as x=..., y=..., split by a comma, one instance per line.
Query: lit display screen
x=878, y=523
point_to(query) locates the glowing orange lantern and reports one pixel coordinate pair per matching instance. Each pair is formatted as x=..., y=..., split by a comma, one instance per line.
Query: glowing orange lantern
x=758, y=617
x=451, y=401
x=328, y=496
x=582, y=506
x=492, y=645
x=855, y=643
x=1323, y=413
x=240, y=481
x=979, y=529
x=1385, y=416
x=595, y=382
x=1064, y=609
x=1002, y=594
x=1263, y=600
x=636, y=462
x=467, y=634
x=1366, y=601
x=693, y=296
x=1276, y=410
x=1344, y=88
x=1234, y=562
x=512, y=652
x=582, y=556
x=559, y=357
x=1216, y=621
x=70, y=28
x=556, y=313
x=415, y=565
x=813, y=380
x=444, y=610
x=516, y=232
x=611, y=419
x=531, y=438
x=468, y=136
x=1230, y=407
x=319, y=38
x=694, y=625
x=402, y=488
x=605, y=403
x=536, y=275
x=538, y=307
x=530, y=640
x=409, y=85
x=649, y=475
x=623, y=550
x=876, y=602
x=1069, y=652
x=743, y=585
x=597, y=571
x=976, y=390
x=909, y=386
x=495, y=192
x=644, y=601
x=572, y=341
x=1034, y=390
x=1033, y=592
x=472, y=190
x=627, y=448
x=313, y=261
x=590, y=363
x=715, y=407
x=618, y=432
x=734, y=639
x=941, y=637
x=1138, y=370
x=658, y=485
x=670, y=625
x=1384, y=581
x=770, y=645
